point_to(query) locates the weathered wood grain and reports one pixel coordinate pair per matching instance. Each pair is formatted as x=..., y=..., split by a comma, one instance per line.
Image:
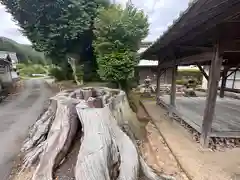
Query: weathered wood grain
x=59, y=139
x=106, y=152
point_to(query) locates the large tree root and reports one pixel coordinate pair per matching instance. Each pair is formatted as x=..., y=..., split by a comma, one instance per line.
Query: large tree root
x=106, y=152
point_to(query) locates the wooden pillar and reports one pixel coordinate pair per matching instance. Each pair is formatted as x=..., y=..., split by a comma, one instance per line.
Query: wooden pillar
x=158, y=81
x=214, y=76
x=165, y=77
x=234, y=78
x=203, y=72
x=173, y=86
x=224, y=81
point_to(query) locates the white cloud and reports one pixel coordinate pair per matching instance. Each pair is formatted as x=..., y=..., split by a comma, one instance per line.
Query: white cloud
x=9, y=28
x=161, y=14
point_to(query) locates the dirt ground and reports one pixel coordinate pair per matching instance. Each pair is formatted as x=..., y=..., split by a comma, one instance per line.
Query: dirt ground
x=158, y=155
x=153, y=147
x=200, y=164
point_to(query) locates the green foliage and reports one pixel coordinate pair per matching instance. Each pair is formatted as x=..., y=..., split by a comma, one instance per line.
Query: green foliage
x=79, y=72
x=181, y=81
x=119, y=32
x=20, y=66
x=192, y=83
x=132, y=83
x=25, y=53
x=57, y=73
x=58, y=28
x=29, y=69
x=60, y=73
x=120, y=29
x=116, y=66
x=55, y=27
x=190, y=74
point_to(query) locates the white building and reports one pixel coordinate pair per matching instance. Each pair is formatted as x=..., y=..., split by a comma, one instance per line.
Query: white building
x=233, y=81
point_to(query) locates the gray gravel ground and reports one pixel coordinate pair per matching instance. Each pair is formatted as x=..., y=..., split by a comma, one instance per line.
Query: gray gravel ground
x=17, y=114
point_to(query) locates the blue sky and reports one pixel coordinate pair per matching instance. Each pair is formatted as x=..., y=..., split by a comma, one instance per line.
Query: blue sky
x=161, y=14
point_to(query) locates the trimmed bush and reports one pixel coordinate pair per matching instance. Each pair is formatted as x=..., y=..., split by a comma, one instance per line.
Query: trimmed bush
x=181, y=81
x=190, y=74
x=56, y=72
x=29, y=69
x=191, y=83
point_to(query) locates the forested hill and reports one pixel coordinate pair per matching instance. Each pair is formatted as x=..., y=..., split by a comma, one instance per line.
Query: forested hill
x=25, y=53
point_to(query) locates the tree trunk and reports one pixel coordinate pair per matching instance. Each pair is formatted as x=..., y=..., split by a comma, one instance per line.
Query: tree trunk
x=106, y=152
x=72, y=63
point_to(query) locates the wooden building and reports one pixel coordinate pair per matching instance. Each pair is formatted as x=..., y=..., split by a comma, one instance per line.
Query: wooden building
x=147, y=68
x=232, y=81
x=5, y=69
x=207, y=33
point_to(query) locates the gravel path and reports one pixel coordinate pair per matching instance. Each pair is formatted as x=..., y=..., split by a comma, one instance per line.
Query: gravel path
x=17, y=113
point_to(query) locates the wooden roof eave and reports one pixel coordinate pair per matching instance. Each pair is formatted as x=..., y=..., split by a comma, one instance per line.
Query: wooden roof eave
x=200, y=59
x=162, y=42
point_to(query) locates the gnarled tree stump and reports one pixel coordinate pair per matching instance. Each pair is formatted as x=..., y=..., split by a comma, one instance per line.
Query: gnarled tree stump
x=106, y=152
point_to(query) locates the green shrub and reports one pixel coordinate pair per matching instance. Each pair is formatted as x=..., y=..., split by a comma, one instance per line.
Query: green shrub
x=113, y=85
x=192, y=83
x=57, y=73
x=132, y=83
x=38, y=69
x=190, y=74
x=29, y=69
x=79, y=72
x=181, y=81
x=20, y=66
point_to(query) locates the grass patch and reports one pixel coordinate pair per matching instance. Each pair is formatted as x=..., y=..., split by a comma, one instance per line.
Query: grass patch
x=134, y=99
x=26, y=70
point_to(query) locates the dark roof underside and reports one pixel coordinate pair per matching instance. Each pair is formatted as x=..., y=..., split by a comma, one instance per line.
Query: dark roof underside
x=197, y=30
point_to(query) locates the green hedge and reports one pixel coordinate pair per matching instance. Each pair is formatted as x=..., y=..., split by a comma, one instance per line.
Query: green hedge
x=29, y=69
x=194, y=74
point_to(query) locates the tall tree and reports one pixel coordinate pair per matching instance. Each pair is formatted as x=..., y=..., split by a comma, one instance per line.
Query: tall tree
x=61, y=29
x=119, y=32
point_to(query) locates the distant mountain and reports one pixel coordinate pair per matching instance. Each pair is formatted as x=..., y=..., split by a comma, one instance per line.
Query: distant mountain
x=25, y=53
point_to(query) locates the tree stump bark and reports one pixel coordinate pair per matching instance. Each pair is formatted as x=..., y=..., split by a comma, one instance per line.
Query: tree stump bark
x=106, y=152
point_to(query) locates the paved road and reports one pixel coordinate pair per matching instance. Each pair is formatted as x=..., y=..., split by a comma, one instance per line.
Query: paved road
x=16, y=115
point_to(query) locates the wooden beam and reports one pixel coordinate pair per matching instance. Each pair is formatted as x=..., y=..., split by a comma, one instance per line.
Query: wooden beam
x=233, y=71
x=189, y=60
x=207, y=49
x=173, y=87
x=159, y=74
x=209, y=111
x=203, y=57
x=203, y=72
x=234, y=80
x=229, y=46
x=158, y=81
